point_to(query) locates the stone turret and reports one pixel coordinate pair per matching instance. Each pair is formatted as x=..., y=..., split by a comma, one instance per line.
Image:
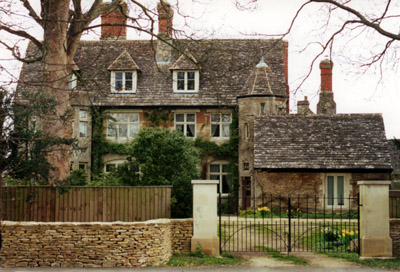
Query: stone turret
x=260, y=96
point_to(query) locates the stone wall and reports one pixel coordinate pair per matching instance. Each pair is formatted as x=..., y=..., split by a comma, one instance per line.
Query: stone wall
x=116, y=244
x=395, y=235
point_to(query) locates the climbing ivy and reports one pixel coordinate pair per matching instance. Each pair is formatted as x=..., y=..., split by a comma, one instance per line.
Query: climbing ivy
x=100, y=145
x=160, y=117
x=226, y=150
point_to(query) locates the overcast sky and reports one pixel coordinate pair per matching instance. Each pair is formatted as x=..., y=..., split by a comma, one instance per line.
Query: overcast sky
x=356, y=89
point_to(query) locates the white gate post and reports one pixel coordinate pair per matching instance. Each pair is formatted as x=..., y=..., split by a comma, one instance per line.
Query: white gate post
x=374, y=219
x=205, y=217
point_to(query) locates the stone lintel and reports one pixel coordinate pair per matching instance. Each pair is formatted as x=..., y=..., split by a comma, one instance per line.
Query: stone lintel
x=374, y=182
x=205, y=182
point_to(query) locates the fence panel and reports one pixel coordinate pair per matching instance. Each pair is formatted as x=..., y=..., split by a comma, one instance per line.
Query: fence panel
x=394, y=203
x=84, y=204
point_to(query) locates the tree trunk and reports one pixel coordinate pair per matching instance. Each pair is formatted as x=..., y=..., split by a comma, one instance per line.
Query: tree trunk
x=57, y=69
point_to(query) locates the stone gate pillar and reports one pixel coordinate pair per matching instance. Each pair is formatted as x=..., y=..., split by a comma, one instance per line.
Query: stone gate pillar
x=374, y=219
x=205, y=217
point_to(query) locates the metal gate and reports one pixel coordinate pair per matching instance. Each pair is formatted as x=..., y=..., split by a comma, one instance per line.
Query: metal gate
x=289, y=224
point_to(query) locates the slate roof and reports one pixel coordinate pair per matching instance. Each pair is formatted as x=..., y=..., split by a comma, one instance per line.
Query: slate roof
x=185, y=62
x=332, y=142
x=225, y=67
x=262, y=81
x=123, y=62
x=394, y=154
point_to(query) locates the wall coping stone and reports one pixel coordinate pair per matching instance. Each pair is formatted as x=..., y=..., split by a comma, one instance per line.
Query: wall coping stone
x=374, y=182
x=149, y=222
x=205, y=181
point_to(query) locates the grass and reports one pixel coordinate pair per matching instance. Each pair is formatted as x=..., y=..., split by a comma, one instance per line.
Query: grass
x=283, y=257
x=378, y=263
x=195, y=259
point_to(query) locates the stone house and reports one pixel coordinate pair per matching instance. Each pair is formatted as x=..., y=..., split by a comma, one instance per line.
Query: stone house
x=199, y=85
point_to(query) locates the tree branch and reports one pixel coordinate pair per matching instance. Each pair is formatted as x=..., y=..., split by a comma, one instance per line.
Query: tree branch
x=22, y=34
x=362, y=18
x=32, y=12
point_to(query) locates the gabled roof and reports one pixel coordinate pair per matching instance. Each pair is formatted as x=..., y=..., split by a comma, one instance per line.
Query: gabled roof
x=225, y=67
x=123, y=63
x=335, y=142
x=185, y=62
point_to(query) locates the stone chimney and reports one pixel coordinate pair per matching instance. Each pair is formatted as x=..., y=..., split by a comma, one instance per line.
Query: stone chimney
x=114, y=22
x=303, y=107
x=165, y=27
x=326, y=104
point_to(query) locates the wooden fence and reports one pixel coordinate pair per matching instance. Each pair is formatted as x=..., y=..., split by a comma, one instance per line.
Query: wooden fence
x=394, y=204
x=84, y=204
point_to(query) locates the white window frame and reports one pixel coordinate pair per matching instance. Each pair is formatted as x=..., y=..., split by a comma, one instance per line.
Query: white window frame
x=186, y=123
x=118, y=122
x=83, y=122
x=72, y=81
x=221, y=124
x=113, y=162
x=123, y=90
x=335, y=202
x=185, y=90
x=220, y=174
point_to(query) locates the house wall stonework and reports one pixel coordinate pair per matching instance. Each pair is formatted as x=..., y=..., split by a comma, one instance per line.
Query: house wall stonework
x=306, y=183
x=395, y=235
x=285, y=183
x=114, y=244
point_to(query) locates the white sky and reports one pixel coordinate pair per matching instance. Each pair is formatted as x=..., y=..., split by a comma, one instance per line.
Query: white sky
x=355, y=90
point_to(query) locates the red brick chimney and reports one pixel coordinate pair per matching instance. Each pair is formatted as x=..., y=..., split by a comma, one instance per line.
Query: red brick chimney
x=326, y=66
x=114, y=22
x=165, y=17
x=326, y=104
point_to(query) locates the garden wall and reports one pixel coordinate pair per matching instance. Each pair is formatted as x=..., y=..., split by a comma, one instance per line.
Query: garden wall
x=116, y=244
x=395, y=235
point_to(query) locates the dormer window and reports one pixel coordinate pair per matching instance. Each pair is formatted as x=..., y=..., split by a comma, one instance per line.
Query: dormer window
x=185, y=74
x=186, y=81
x=123, y=74
x=123, y=81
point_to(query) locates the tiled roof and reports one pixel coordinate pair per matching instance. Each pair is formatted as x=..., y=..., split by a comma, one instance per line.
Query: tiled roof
x=343, y=141
x=225, y=67
x=263, y=81
x=394, y=154
x=185, y=62
x=123, y=62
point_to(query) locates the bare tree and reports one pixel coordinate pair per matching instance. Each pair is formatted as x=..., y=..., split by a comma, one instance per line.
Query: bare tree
x=62, y=23
x=374, y=24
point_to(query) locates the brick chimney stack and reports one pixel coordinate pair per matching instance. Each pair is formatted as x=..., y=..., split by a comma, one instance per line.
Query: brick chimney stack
x=326, y=104
x=165, y=18
x=165, y=26
x=116, y=20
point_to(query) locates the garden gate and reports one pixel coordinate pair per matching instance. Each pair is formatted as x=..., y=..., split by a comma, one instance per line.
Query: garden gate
x=289, y=224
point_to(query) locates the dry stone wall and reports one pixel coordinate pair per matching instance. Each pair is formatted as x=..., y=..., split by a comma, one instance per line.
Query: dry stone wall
x=395, y=235
x=116, y=244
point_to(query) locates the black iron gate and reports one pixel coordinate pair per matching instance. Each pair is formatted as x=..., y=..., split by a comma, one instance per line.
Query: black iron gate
x=289, y=224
